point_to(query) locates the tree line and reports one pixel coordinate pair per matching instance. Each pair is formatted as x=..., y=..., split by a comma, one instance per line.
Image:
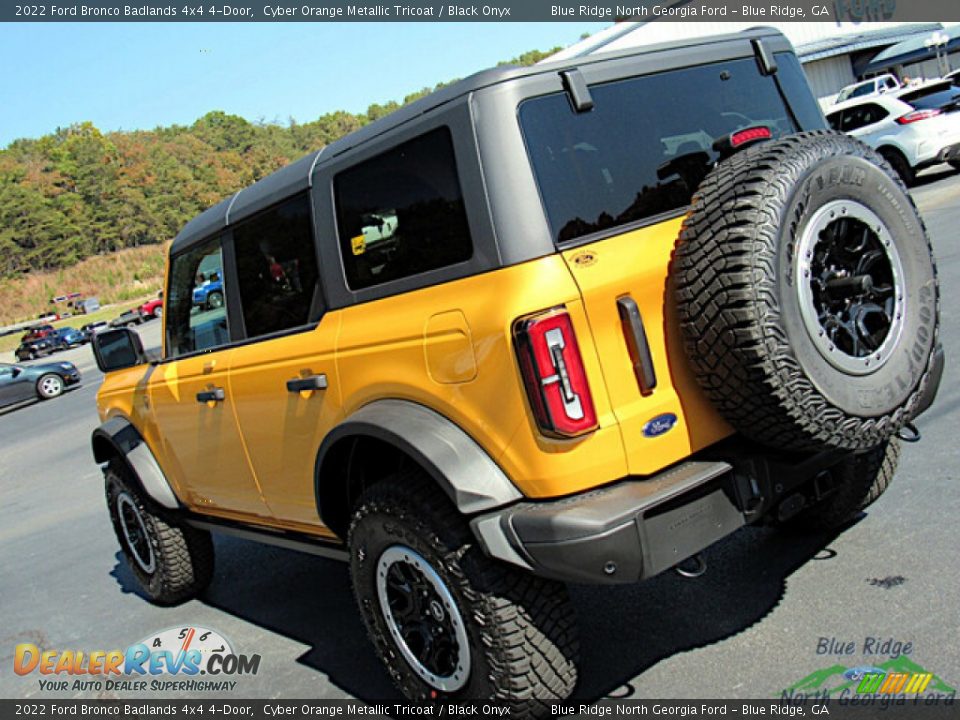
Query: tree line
x=79, y=192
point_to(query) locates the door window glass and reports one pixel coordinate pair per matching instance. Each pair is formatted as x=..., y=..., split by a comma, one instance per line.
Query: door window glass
x=196, y=307
x=276, y=267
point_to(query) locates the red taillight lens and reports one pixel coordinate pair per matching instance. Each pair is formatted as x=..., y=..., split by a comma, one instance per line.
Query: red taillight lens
x=553, y=374
x=749, y=135
x=917, y=115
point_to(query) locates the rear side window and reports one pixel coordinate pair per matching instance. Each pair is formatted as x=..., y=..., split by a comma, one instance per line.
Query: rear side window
x=861, y=116
x=196, y=311
x=647, y=143
x=276, y=267
x=402, y=213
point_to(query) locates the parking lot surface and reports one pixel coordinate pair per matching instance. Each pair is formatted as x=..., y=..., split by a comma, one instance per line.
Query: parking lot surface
x=773, y=612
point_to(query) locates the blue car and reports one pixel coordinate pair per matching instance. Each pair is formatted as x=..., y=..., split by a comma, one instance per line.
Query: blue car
x=44, y=381
x=67, y=337
x=209, y=295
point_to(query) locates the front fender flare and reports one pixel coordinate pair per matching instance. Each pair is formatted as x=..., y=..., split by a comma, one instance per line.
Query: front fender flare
x=469, y=476
x=117, y=437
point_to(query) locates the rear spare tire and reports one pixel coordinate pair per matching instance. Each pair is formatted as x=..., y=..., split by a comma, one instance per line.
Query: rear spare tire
x=807, y=294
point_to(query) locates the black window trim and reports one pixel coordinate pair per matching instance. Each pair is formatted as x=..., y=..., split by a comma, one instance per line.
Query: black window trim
x=485, y=253
x=236, y=327
x=386, y=284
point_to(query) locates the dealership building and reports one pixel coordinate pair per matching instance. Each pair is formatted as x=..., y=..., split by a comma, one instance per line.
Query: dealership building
x=834, y=54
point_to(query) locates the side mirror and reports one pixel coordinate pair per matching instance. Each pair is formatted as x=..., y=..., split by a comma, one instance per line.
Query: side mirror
x=118, y=349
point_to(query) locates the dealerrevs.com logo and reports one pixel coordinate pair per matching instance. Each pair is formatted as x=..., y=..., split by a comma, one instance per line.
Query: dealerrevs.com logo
x=166, y=661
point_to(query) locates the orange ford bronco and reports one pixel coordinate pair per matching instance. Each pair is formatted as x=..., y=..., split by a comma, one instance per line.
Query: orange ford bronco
x=568, y=323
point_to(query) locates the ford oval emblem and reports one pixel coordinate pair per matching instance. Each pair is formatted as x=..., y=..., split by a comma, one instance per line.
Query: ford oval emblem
x=659, y=425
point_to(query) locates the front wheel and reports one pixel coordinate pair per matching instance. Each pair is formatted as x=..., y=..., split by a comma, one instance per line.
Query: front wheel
x=446, y=620
x=49, y=386
x=214, y=301
x=172, y=562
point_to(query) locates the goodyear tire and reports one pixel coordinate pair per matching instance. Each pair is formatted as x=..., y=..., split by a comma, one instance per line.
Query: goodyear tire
x=807, y=294
x=171, y=562
x=447, y=621
x=861, y=480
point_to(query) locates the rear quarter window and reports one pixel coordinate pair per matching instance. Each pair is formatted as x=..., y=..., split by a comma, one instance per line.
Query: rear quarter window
x=647, y=143
x=402, y=213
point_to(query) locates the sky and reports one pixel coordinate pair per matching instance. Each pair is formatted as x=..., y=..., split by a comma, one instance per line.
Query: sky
x=133, y=76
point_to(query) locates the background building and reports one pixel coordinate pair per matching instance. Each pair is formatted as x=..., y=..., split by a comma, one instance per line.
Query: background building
x=834, y=54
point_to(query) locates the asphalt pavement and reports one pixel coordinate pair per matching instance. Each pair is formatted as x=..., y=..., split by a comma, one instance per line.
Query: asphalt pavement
x=774, y=611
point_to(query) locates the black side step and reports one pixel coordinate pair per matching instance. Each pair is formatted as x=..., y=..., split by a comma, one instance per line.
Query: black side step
x=280, y=538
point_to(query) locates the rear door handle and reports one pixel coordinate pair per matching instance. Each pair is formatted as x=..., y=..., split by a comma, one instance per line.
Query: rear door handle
x=313, y=382
x=215, y=395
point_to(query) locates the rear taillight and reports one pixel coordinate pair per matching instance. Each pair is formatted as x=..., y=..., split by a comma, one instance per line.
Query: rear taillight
x=917, y=115
x=553, y=374
x=741, y=137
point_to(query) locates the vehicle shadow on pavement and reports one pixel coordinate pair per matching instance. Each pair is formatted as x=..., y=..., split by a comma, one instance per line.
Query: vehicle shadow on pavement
x=627, y=629
x=624, y=630
x=933, y=175
x=301, y=597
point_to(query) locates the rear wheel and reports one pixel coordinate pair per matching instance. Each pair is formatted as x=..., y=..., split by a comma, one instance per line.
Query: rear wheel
x=447, y=621
x=49, y=386
x=172, y=562
x=899, y=162
x=955, y=164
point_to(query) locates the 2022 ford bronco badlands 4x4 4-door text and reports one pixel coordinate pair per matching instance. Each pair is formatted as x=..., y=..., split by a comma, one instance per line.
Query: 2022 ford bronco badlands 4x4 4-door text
x=574, y=322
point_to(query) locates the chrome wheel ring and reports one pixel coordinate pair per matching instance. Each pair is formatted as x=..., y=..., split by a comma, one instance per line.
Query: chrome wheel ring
x=135, y=533
x=423, y=619
x=849, y=279
x=51, y=386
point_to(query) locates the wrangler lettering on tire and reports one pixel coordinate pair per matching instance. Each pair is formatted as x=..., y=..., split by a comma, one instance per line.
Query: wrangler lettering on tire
x=807, y=294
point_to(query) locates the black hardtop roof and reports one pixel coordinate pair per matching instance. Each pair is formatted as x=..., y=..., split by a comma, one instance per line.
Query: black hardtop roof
x=297, y=176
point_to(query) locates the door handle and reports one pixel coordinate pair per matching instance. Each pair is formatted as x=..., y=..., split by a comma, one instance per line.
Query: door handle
x=313, y=382
x=215, y=395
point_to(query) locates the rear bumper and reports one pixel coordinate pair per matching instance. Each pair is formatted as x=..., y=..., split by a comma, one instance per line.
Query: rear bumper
x=621, y=533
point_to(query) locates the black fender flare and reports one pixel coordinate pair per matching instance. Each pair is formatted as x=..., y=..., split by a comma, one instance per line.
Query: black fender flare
x=119, y=438
x=468, y=475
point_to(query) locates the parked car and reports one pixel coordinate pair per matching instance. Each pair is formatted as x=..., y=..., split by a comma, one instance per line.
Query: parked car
x=67, y=337
x=209, y=294
x=37, y=331
x=153, y=308
x=574, y=322
x=34, y=348
x=127, y=317
x=912, y=129
x=91, y=329
x=20, y=382
x=867, y=88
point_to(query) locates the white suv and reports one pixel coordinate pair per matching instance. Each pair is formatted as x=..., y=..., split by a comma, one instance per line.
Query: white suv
x=913, y=128
x=874, y=86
